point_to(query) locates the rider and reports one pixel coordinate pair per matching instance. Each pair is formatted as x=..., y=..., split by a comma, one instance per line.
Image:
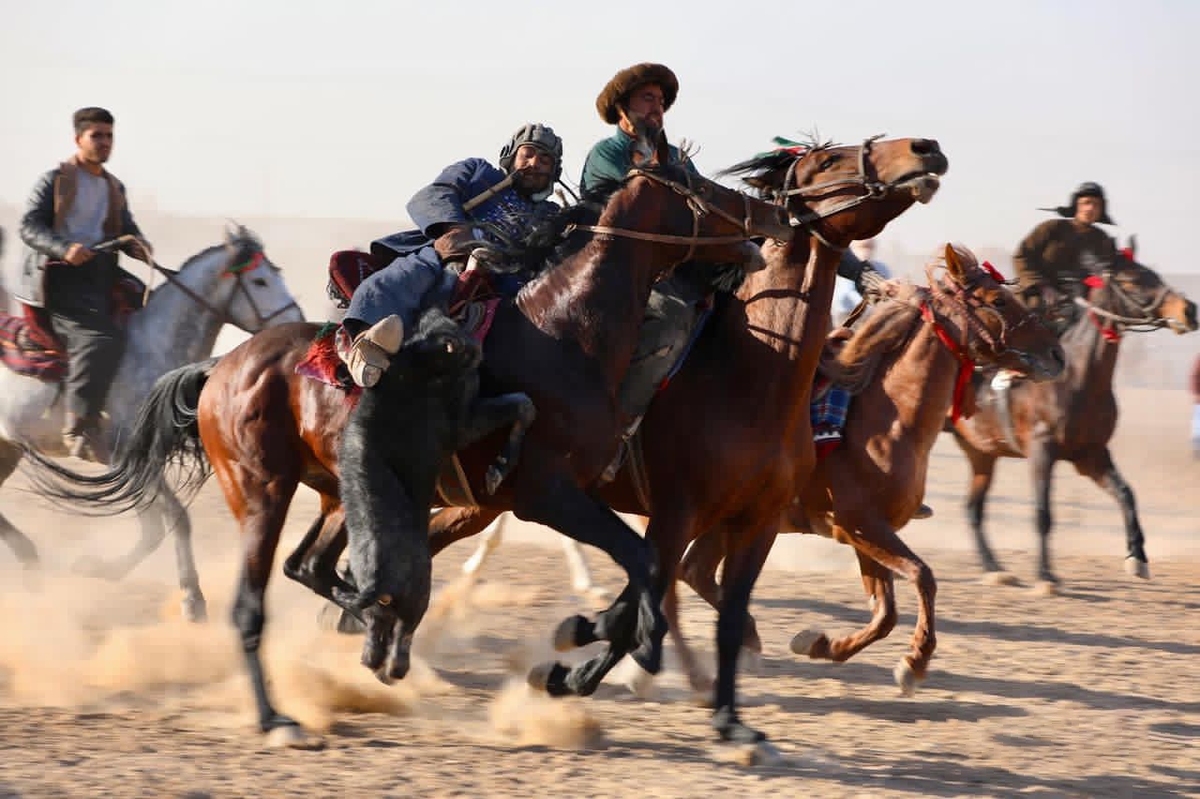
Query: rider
x=470, y=204
x=73, y=207
x=645, y=92
x=1052, y=260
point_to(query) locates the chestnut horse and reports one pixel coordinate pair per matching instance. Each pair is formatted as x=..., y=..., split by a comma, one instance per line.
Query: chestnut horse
x=905, y=364
x=565, y=341
x=1074, y=418
x=728, y=439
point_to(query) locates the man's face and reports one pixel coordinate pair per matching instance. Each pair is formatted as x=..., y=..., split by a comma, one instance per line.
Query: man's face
x=1088, y=210
x=645, y=102
x=534, y=170
x=95, y=144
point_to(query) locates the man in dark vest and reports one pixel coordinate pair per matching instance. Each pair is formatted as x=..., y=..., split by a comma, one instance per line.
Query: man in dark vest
x=72, y=207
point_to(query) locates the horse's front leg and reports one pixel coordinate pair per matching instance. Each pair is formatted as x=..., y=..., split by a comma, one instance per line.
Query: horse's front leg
x=492, y=413
x=1041, y=461
x=1099, y=466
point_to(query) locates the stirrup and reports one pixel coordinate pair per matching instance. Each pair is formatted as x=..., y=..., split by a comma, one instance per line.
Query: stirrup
x=371, y=353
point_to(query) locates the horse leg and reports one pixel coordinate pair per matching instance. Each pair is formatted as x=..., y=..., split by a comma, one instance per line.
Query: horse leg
x=983, y=470
x=491, y=540
x=1099, y=466
x=1041, y=461
x=169, y=508
x=22, y=547
x=313, y=563
x=581, y=575
x=742, y=567
x=699, y=570
x=881, y=588
x=557, y=502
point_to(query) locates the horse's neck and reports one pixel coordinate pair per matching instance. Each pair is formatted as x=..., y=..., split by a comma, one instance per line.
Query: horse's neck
x=597, y=297
x=918, y=381
x=1091, y=358
x=175, y=327
x=788, y=312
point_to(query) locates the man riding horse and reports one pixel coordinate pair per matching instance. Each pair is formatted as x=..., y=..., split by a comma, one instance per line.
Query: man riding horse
x=471, y=204
x=73, y=207
x=645, y=92
x=1052, y=261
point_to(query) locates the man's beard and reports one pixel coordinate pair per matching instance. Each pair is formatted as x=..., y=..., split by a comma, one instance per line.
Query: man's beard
x=530, y=184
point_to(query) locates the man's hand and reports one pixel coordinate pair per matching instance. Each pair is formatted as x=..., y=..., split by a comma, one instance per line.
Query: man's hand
x=77, y=254
x=870, y=283
x=139, y=250
x=456, y=243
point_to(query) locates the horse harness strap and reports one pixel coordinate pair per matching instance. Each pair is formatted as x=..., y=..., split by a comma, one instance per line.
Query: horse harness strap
x=231, y=269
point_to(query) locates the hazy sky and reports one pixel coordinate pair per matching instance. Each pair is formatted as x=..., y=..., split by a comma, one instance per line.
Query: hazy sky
x=344, y=109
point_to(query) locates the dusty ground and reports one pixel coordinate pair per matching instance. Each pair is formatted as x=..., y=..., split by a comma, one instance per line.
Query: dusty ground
x=1091, y=693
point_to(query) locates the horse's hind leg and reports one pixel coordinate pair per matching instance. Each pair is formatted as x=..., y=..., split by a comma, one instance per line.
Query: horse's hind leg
x=168, y=506
x=20, y=544
x=698, y=569
x=491, y=541
x=1099, y=466
x=1041, y=460
x=881, y=588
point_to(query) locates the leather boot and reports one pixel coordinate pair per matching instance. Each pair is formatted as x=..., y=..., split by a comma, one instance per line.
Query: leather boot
x=368, y=357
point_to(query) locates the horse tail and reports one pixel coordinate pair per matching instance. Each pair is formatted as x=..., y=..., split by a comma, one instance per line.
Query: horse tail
x=165, y=432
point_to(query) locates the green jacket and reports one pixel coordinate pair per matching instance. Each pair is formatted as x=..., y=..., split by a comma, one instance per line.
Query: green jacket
x=611, y=159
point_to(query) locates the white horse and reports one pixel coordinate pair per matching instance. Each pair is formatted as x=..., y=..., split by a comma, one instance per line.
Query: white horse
x=232, y=283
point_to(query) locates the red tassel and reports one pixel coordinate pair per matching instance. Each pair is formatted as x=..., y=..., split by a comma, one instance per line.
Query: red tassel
x=1093, y=281
x=993, y=271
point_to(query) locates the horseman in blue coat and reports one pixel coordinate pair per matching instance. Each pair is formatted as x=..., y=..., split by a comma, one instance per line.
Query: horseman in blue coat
x=471, y=204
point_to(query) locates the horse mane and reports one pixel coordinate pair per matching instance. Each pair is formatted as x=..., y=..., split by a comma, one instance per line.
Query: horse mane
x=885, y=330
x=766, y=171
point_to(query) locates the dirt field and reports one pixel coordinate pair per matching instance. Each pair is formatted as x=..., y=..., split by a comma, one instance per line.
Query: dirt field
x=1096, y=692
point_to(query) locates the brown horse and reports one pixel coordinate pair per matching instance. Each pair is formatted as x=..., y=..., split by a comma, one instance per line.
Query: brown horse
x=905, y=365
x=565, y=341
x=728, y=439
x=1074, y=418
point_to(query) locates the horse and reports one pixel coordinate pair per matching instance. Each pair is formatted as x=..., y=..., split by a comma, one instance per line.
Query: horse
x=728, y=439
x=907, y=365
x=565, y=341
x=228, y=283
x=1074, y=418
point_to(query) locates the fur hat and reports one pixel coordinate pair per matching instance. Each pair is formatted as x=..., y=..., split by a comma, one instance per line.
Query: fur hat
x=1086, y=189
x=629, y=79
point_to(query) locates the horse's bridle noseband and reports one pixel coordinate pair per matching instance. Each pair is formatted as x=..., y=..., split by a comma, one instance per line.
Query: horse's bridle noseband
x=1149, y=319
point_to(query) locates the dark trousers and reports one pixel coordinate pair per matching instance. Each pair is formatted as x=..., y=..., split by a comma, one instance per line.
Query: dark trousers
x=80, y=307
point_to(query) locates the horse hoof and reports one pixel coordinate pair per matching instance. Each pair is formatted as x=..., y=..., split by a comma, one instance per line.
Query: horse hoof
x=757, y=754
x=194, y=609
x=1045, y=588
x=549, y=678
x=996, y=578
x=749, y=661
x=802, y=642
x=570, y=633
x=1137, y=568
x=906, y=678
x=293, y=736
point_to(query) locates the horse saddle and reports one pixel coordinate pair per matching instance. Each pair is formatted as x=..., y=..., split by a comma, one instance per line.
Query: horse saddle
x=29, y=347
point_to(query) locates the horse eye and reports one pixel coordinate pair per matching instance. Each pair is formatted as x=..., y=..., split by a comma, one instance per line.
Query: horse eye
x=828, y=162
x=261, y=282
x=999, y=302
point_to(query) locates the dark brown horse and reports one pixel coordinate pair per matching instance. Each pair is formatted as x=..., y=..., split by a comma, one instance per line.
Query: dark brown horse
x=1074, y=418
x=565, y=341
x=904, y=364
x=728, y=439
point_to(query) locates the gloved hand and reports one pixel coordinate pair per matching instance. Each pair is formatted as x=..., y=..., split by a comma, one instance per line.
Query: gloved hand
x=456, y=243
x=870, y=283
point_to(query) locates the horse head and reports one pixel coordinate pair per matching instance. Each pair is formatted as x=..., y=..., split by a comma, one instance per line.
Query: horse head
x=841, y=194
x=1126, y=294
x=251, y=290
x=994, y=328
x=662, y=200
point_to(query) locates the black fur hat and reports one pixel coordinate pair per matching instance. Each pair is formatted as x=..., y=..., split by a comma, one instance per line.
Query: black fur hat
x=1086, y=189
x=629, y=79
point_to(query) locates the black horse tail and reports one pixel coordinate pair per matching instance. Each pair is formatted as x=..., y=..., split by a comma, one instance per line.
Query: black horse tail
x=165, y=432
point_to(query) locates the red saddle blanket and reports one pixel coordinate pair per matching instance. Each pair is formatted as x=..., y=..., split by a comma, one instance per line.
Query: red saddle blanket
x=473, y=304
x=30, y=348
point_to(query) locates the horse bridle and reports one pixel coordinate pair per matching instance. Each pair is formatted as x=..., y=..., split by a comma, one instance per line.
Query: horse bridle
x=699, y=208
x=873, y=189
x=1148, y=320
x=963, y=297
x=238, y=269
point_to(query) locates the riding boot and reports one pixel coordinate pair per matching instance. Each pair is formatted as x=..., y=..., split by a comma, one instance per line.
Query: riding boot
x=369, y=355
x=84, y=438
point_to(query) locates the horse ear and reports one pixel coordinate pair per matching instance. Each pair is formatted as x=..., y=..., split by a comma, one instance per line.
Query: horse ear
x=663, y=149
x=645, y=151
x=1132, y=245
x=953, y=262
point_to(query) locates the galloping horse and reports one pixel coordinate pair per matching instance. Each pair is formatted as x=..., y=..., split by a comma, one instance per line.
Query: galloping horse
x=728, y=439
x=565, y=341
x=907, y=365
x=1074, y=418
x=228, y=283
